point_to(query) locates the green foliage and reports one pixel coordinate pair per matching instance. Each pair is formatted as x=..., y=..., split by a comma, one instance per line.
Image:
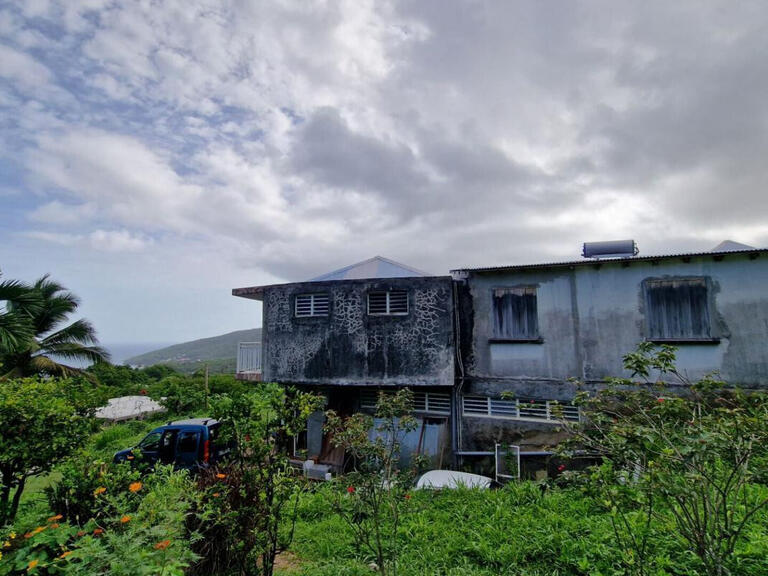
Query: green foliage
x=43, y=422
x=248, y=515
x=42, y=308
x=372, y=497
x=136, y=528
x=692, y=458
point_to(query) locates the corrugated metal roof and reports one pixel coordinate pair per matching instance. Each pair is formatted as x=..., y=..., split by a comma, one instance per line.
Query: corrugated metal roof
x=593, y=261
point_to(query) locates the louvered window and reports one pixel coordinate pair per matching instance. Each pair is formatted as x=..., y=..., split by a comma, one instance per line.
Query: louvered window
x=677, y=309
x=390, y=302
x=311, y=305
x=514, y=313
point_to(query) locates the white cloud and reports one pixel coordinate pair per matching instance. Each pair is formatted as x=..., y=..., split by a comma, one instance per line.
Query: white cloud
x=294, y=137
x=21, y=67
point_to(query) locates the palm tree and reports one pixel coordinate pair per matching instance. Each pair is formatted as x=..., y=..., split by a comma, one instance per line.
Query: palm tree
x=15, y=327
x=44, y=308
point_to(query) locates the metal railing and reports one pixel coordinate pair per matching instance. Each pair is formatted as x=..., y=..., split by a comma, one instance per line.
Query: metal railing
x=248, y=357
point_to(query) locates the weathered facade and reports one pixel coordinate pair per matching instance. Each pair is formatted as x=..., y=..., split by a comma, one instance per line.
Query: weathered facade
x=349, y=337
x=495, y=354
x=534, y=331
x=348, y=346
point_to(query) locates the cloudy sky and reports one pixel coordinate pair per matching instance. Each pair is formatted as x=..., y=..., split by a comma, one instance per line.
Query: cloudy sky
x=155, y=154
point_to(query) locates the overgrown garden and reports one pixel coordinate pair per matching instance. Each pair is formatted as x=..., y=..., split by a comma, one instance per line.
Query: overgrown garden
x=681, y=487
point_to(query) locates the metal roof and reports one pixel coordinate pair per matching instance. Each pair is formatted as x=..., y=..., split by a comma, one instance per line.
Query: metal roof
x=376, y=267
x=628, y=259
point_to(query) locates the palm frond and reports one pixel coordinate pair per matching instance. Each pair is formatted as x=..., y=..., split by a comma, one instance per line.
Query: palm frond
x=80, y=332
x=15, y=331
x=45, y=365
x=74, y=351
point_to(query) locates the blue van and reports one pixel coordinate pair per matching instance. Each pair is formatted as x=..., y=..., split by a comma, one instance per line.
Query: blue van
x=187, y=444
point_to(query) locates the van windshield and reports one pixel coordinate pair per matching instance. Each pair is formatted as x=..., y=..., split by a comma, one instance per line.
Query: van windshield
x=151, y=441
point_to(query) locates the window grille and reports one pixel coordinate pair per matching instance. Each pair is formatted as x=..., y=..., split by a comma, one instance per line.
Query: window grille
x=311, y=305
x=427, y=402
x=519, y=409
x=388, y=303
x=515, y=315
x=677, y=309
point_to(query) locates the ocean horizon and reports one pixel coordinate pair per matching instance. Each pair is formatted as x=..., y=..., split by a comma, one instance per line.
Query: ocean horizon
x=121, y=351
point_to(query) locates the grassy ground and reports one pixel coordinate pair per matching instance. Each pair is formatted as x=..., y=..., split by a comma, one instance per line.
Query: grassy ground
x=519, y=530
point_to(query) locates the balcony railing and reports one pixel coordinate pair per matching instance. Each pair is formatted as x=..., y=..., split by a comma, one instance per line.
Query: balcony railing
x=249, y=358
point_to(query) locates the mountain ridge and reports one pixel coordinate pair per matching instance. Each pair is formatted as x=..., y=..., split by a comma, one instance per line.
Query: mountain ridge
x=189, y=356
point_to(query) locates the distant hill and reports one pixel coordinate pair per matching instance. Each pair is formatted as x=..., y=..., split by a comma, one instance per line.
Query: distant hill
x=219, y=352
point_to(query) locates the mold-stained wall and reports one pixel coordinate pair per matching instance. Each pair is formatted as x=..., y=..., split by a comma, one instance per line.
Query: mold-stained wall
x=351, y=347
x=589, y=316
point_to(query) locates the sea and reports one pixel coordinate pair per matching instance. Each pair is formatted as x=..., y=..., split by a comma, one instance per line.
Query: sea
x=122, y=351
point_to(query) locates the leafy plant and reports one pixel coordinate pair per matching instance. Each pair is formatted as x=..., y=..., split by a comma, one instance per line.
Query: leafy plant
x=43, y=422
x=140, y=528
x=693, y=458
x=41, y=309
x=372, y=497
x=251, y=500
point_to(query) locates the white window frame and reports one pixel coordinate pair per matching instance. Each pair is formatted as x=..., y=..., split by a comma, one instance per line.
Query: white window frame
x=313, y=304
x=388, y=303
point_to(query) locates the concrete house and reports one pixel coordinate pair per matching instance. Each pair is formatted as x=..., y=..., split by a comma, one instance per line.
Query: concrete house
x=375, y=324
x=492, y=353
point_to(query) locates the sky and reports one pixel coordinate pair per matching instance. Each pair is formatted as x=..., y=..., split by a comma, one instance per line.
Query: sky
x=155, y=155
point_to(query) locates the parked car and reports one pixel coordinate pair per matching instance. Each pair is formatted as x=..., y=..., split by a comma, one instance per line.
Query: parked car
x=187, y=444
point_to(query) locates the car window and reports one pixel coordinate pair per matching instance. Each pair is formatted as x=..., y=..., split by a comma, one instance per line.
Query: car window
x=188, y=442
x=151, y=441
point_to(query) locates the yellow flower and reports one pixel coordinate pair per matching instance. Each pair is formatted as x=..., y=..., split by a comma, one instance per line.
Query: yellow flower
x=99, y=490
x=6, y=544
x=1, y=555
x=135, y=487
x=12, y=535
x=32, y=565
x=125, y=519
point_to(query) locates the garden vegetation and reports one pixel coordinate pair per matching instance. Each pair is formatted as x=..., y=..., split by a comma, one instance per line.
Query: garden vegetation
x=679, y=488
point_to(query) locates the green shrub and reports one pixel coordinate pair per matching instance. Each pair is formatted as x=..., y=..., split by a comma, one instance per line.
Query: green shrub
x=134, y=529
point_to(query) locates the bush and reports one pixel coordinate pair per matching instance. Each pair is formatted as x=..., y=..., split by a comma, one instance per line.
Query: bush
x=138, y=528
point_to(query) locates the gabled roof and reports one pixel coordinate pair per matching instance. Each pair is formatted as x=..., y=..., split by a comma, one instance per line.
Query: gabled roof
x=376, y=267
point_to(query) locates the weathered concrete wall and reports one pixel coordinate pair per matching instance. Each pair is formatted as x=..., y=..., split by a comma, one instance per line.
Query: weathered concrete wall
x=350, y=347
x=589, y=316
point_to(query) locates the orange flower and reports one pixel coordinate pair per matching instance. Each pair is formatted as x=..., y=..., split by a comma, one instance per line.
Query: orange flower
x=216, y=494
x=35, y=531
x=221, y=476
x=162, y=545
x=55, y=525
x=32, y=564
x=129, y=457
x=99, y=490
x=135, y=487
x=54, y=518
x=65, y=554
x=97, y=531
x=125, y=519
